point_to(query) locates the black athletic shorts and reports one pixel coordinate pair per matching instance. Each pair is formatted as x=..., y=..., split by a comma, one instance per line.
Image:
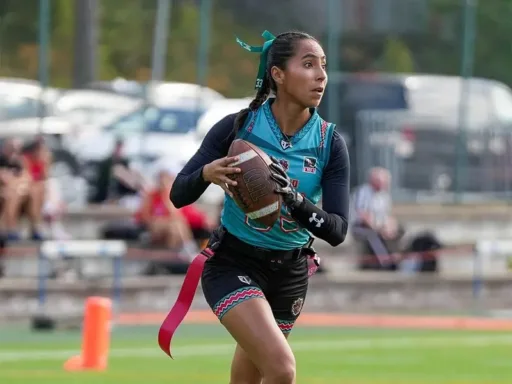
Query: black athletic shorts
x=238, y=272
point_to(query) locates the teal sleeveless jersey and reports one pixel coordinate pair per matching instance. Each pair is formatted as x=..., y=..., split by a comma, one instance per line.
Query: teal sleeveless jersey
x=303, y=160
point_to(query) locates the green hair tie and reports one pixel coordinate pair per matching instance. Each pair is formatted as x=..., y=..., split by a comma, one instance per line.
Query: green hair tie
x=263, y=50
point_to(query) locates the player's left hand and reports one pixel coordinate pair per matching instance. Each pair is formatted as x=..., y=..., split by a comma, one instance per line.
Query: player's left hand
x=284, y=185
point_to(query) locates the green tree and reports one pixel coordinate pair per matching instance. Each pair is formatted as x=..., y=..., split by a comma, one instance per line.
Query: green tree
x=18, y=34
x=126, y=30
x=126, y=35
x=397, y=57
x=493, y=49
x=62, y=43
x=232, y=70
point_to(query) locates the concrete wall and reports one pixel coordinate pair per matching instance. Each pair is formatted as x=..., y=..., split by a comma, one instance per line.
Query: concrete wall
x=449, y=290
x=355, y=293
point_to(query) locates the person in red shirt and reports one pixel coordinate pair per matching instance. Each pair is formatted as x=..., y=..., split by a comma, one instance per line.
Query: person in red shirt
x=36, y=160
x=165, y=224
x=199, y=222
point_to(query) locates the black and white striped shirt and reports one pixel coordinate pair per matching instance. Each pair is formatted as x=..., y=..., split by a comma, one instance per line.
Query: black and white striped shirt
x=367, y=199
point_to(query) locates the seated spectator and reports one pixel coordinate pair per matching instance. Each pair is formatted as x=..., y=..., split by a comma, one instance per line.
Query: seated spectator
x=132, y=182
x=372, y=224
x=197, y=220
x=199, y=223
x=36, y=159
x=165, y=224
x=109, y=188
x=15, y=185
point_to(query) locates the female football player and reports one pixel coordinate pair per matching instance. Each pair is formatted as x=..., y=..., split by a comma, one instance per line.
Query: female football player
x=257, y=279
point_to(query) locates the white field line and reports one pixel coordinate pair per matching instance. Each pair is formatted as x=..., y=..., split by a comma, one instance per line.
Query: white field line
x=313, y=345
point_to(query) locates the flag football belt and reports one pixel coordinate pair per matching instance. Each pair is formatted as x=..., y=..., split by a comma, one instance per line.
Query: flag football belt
x=189, y=287
x=183, y=302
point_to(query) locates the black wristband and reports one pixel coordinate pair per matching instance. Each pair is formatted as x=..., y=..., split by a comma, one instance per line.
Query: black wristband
x=326, y=226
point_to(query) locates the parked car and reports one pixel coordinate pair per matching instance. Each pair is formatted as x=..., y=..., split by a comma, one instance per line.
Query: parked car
x=119, y=86
x=92, y=108
x=349, y=95
x=424, y=153
x=217, y=111
x=410, y=124
x=148, y=133
x=23, y=98
x=427, y=145
x=157, y=90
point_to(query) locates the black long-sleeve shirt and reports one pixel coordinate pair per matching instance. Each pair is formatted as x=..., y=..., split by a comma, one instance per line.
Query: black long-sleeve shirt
x=190, y=185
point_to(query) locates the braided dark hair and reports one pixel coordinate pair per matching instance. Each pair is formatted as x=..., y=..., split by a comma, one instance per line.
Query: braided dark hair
x=281, y=50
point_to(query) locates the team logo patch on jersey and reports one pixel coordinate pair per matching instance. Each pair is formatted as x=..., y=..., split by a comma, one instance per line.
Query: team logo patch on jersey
x=309, y=165
x=297, y=306
x=295, y=183
x=285, y=164
x=286, y=144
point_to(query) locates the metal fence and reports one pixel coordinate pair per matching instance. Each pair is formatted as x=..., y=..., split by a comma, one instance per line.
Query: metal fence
x=432, y=160
x=69, y=44
x=64, y=44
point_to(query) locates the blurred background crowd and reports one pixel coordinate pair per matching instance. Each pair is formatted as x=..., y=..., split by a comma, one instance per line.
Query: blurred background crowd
x=103, y=101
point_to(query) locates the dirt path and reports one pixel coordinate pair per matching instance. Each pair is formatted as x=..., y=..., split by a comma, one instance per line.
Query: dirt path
x=345, y=320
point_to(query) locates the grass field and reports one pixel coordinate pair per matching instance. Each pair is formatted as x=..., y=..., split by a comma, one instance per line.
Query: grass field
x=326, y=355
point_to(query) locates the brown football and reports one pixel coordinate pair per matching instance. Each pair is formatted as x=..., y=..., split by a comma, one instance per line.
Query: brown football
x=255, y=190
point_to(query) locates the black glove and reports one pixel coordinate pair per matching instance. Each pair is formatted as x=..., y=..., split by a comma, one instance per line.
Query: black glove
x=291, y=198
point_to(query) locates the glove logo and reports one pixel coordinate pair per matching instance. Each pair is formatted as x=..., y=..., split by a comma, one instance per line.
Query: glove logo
x=309, y=165
x=318, y=221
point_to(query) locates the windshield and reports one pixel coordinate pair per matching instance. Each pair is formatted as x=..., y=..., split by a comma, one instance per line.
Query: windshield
x=356, y=95
x=175, y=121
x=360, y=94
x=18, y=107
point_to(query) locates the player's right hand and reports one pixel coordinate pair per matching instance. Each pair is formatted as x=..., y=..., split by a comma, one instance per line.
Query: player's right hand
x=218, y=171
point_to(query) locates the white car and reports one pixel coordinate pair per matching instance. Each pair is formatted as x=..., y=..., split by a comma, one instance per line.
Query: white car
x=22, y=98
x=93, y=107
x=185, y=92
x=149, y=131
x=164, y=124
x=217, y=111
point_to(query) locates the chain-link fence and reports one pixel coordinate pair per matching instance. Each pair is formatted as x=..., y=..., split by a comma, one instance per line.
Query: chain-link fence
x=430, y=159
x=104, y=40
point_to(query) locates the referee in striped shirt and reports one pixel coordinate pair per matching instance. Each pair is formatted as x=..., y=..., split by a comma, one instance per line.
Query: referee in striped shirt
x=372, y=223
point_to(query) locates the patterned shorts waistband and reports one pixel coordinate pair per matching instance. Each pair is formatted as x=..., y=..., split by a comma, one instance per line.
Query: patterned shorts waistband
x=234, y=242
